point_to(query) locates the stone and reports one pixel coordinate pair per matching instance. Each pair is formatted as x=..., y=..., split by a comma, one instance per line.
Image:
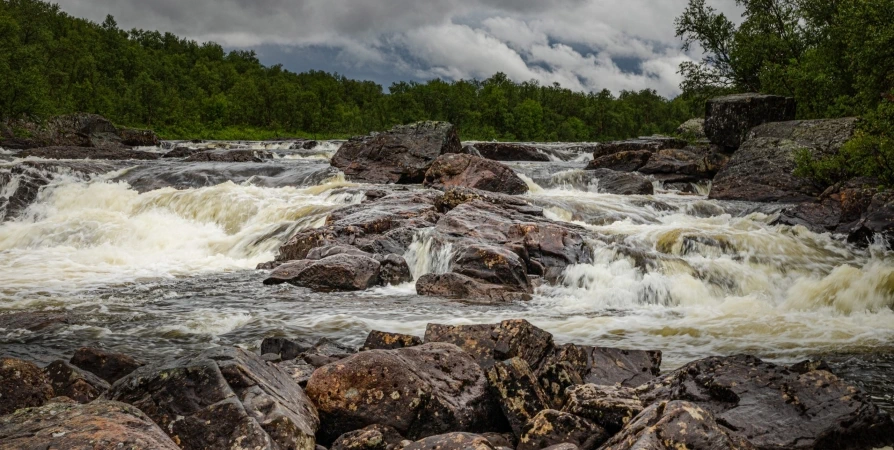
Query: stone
x=419, y=391
x=555, y=378
x=678, y=425
x=342, y=272
x=649, y=144
x=381, y=340
x=517, y=391
x=373, y=437
x=182, y=152
x=492, y=343
x=461, y=287
x=550, y=427
x=74, y=383
x=610, y=407
x=220, y=398
x=107, y=153
x=458, y=170
x=728, y=119
x=508, y=151
x=400, y=156
x=630, y=368
x=102, y=425
x=107, y=365
x=297, y=369
x=22, y=385
x=229, y=156
x=492, y=264
x=286, y=348
x=621, y=183
x=452, y=441
x=138, y=138
x=626, y=161
x=393, y=270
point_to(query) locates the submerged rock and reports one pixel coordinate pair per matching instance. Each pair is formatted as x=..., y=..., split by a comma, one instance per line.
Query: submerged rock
x=22, y=385
x=107, y=365
x=458, y=170
x=729, y=119
x=34, y=321
x=401, y=155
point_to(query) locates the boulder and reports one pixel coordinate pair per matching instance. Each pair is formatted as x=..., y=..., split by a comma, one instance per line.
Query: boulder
x=298, y=370
x=107, y=365
x=286, y=348
x=74, y=383
x=220, y=398
x=489, y=344
x=342, y=272
x=373, y=437
x=452, y=441
x=105, y=153
x=402, y=155
x=550, y=427
x=229, y=156
x=492, y=264
x=610, y=407
x=516, y=389
x=470, y=150
x=460, y=287
x=393, y=270
x=649, y=144
x=555, y=378
x=625, y=161
x=381, y=340
x=138, y=138
x=729, y=119
x=22, y=385
x=762, y=168
x=326, y=351
x=677, y=425
x=508, y=151
x=458, y=170
x=69, y=426
x=621, y=183
x=599, y=365
x=419, y=391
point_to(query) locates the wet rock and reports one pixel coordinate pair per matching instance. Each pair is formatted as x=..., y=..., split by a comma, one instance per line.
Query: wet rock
x=454, y=170
x=456, y=196
x=221, y=398
x=326, y=351
x=676, y=425
x=508, y=151
x=393, y=270
x=470, y=150
x=555, y=378
x=23, y=181
x=138, y=138
x=876, y=220
x=74, y=383
x=381, y=340
x=342, y=272
x=621, y=183
x=610, y=407
x=626, y=161
x=452, y=441
x=401, y=155
x=286, y=348
x=373, y=437
x=107, y=153
x=729, y=119
x=332, y=250
x=774, y=407
x=507, y=440
x=107, y=365
x=420, y=391
x=516, y=389
x=298, y=370
x=492, y=264
x=34, y=321
x=550, y=427
x=762, y=169
x=565, y=446
x=693, y=129
x=491, y=343
x=651, y=144
x=68, y=426
x=22, y=385
x=612, y=366
x=182, y=152
x=229, y=156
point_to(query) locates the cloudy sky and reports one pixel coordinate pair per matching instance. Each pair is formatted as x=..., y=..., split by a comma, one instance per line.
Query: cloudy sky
x=582, y=44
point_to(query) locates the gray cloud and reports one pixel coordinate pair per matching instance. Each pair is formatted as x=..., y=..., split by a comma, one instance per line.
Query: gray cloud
x=573, y=42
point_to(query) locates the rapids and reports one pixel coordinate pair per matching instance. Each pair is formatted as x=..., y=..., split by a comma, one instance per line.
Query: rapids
x=155, y=258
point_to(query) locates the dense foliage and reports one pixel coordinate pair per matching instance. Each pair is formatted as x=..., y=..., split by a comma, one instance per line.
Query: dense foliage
x=52, y=63
x=835, y=57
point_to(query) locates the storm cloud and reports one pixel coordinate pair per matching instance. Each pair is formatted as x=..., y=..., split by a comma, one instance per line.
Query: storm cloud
x=586, y=45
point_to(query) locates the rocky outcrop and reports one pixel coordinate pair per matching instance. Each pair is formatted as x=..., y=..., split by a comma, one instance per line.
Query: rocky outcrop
x=762, y=169
x=228, y=156
x=104, y=153
x=22, y=385
x=402, y=155
x=621, y=183
x=221, y=398
x=457, y=170
x=729, y=119
x=550, y=427
x=74, y=383
x=76, y=130
x=138, y=138
x=106, y=365
x=70, y=426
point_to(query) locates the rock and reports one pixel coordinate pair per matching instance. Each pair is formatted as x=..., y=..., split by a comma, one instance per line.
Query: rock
x=106, y=153
x=298, y=370
x=182, y=152
x=621, y=183
x=491, y=343
x=220, y=398
x=341, y=272
x=564, y=446
x=507, y=151
x=729, y=119
x=677, y=425
x=138, y=138
x=452, y=441
x=492, y=264
x=610, y=407
x=400, y=156
x=373, y=437
x=393, y=270
x=774, y=407
x=456, y=196
x=876, y=220
x=516, y=389
x=419, y=391
x=693, y=128
x=470, y=150
x=106, y=365
x=381, y=340
x=507, y=440
x=332, y=250
x=74, y=383
x=762, y=169
x=626, y=161
x=75, y=130
x=460, y=287
x=284, y=347
x=651, y=144
x=68, y=426
x=629, y=368
x=555, y=378
x=550, y=427
x=229, y=156
x=23, y=181
x=326, y=351
x=22, y=385
x=33, y=321
x=455, y=170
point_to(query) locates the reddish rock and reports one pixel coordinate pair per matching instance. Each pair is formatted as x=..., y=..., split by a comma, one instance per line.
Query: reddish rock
x=457, y=170
x=107, y=365
x=22, y=385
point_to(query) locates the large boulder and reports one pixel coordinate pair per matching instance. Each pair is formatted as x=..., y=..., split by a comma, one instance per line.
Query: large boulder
x=509, y=151
x=402, y=155
x=624, y=161
x=461, y=287
x=22, y=385
x=492, y=343
x=419, y=391
x=729, y=119
x=762, y=168
x=221, y=398
x=101, y=425
x=478, y=173
x=550, y=427
x=342, y=272
x=611, y=407
x=74, y=383
x=106, y=153
x=107, y=365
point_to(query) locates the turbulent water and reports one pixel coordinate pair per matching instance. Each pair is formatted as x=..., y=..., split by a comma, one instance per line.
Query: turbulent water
x=157, y=258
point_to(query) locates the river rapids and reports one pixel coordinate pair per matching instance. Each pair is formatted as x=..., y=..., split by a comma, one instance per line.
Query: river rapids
x=157, y=258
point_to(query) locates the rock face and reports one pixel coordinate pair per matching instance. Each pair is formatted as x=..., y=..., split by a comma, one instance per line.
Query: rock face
x=22, y=385
x=221, y=398
x=106, y=365
x=74, y=383
x=401, y=156
x=622, y=183
x=550, y=427
x=107, y=153
x=729, y=119
x=478, y=173
x=336, y=273
x=138, y=138
x=419, y=391
x=761, y=170
x=75, y=130
x=508, y=151
x=100, y=425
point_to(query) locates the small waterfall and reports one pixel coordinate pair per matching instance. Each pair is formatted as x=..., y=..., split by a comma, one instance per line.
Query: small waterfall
x=428, y=255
